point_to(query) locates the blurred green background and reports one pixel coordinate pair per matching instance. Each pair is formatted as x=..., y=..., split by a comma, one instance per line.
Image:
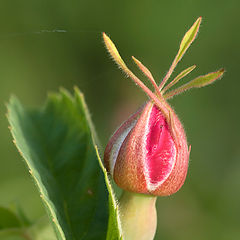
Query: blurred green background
x=36, y=57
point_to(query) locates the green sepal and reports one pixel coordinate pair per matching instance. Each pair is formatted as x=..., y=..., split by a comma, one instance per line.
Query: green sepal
x=198, y=82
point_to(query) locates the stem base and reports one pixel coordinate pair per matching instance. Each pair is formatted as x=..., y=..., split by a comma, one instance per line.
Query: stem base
x=138, y=216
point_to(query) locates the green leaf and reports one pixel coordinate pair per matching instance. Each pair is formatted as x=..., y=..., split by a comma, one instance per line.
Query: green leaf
x=56, y=144
x=204, y=80
x=188, y=38
x=114, y=226
x=8, y=219
x=198, y=82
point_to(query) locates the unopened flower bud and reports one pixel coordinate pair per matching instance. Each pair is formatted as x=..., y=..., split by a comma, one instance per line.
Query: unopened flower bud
x=149, y=152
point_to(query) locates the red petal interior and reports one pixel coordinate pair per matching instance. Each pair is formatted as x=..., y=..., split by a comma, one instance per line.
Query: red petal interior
x=161, y=150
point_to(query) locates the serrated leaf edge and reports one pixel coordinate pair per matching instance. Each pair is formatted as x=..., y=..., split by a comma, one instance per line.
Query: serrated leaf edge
x=31, y=171
x=97, y=145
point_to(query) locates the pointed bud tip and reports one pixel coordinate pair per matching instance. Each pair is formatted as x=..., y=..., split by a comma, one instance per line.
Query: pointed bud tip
x=220, y=73
x=137, y=62
x=134, y=59
x=111, y=48
x=198, y=21
x=148, y=74
x=104, y=36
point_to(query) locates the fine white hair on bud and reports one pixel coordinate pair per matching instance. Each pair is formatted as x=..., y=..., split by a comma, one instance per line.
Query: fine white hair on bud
x=149, y=152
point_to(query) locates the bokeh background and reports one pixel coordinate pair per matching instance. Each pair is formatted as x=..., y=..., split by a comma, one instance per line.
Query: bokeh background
x=49, y=44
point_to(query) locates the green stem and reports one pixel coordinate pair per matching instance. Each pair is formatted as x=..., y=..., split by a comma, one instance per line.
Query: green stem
x=138, y=216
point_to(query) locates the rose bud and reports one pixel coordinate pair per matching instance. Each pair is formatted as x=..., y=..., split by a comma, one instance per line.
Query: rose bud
x=149, y=152
x=148, y=155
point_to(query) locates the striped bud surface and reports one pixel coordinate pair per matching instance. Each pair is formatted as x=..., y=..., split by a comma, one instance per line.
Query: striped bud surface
x=148, y=153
